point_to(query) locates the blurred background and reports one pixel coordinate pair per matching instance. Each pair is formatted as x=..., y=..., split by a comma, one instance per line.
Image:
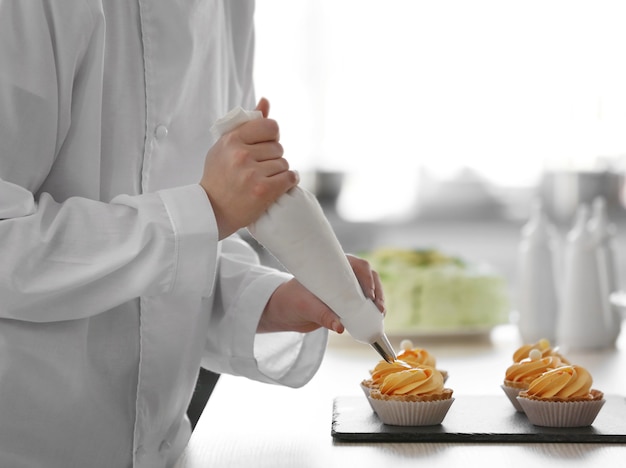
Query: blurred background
x=436, y=123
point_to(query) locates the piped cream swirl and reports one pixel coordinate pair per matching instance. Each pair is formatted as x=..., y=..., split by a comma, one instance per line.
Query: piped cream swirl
x=528, y=369
x=417, y=357
x=565, y=382
x=543, y=346
x=384, y=368
x=416, y=381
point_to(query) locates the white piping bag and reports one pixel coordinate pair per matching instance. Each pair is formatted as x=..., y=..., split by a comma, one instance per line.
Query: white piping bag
x=295, y=230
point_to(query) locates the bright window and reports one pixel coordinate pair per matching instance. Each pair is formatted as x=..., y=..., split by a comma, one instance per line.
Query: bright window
x=391, y=87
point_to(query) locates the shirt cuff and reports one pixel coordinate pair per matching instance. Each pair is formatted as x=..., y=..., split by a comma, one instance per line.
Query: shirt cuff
x=196, y=238
x=290, y=358
x=285, y=358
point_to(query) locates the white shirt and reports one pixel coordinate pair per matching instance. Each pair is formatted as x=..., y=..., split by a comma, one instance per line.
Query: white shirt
x=113, y=286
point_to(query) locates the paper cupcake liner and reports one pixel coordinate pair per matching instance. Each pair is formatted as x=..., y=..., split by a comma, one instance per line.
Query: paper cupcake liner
x=406, y=413
x=366, y=390
x=511, y=393
x=561, y=413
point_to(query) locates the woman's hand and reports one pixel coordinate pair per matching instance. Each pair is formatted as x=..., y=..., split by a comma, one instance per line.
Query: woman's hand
x=245, y=172
x=294, y=308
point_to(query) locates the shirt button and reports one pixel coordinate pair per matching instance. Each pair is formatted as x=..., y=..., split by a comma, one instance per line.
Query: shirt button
x=160, y=132
x=165, y=445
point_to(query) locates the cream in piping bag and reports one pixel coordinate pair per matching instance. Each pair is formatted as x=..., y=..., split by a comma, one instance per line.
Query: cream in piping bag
x=297, y=233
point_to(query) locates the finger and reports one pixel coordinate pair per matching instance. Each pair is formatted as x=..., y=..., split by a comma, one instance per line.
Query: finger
x=272, y=188
x=266, y=151
x=259, y=131
x=328, y=319
x=263, y=106
x=369, y=280
x=337, y=327
x=284, y=181
x=363, y=273
x=317, y=313
x=379, y=297
x=272, y=167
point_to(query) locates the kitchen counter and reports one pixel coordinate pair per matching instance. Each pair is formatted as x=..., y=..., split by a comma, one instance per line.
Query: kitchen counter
x=252, y=424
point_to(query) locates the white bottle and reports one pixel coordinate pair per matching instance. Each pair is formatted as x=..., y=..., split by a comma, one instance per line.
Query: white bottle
x=581, y=320
x=537, y=294
x=603, y=234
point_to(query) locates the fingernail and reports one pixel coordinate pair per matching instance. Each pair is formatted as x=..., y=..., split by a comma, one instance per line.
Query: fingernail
x=336, y=327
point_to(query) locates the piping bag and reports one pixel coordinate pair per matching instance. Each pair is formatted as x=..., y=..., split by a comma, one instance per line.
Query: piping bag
x=296, y=232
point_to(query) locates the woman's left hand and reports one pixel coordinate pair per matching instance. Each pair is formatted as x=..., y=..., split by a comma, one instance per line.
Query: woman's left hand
x=292, y=307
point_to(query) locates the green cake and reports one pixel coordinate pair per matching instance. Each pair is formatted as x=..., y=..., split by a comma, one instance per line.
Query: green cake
x=428, y=291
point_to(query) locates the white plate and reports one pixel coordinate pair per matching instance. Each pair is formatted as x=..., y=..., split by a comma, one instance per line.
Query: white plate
x=417, y=334
x=460, y=332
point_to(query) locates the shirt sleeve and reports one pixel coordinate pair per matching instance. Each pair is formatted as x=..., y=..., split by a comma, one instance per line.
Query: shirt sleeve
x=77, y=257
x=82, y=257
x=233, y=346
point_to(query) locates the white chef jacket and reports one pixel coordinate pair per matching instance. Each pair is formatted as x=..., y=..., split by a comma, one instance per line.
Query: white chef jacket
x=113, y=286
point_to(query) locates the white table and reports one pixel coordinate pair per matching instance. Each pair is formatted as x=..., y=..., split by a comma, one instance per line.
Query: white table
x=250, y=424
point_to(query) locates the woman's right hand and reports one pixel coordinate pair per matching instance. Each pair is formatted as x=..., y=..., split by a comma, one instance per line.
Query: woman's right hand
x=245, y=173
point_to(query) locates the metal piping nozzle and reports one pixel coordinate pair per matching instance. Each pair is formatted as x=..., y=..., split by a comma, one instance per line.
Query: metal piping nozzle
x=384, y=348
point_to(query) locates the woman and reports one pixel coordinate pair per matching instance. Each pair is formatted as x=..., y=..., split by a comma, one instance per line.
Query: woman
x=121, y=269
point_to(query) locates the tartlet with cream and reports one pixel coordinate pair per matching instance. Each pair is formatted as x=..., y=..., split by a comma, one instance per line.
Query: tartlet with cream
x=529, y=362
x=408, y=358
x=409, y=391
x=380, y=371
x=562, y=397
x=519, y=375
x=411, y=397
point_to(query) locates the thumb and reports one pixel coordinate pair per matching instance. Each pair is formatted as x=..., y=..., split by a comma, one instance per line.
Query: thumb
x=330, y=320
x=264, y=107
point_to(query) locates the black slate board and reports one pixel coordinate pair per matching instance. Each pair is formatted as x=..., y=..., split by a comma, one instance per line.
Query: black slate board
x=475, y=419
